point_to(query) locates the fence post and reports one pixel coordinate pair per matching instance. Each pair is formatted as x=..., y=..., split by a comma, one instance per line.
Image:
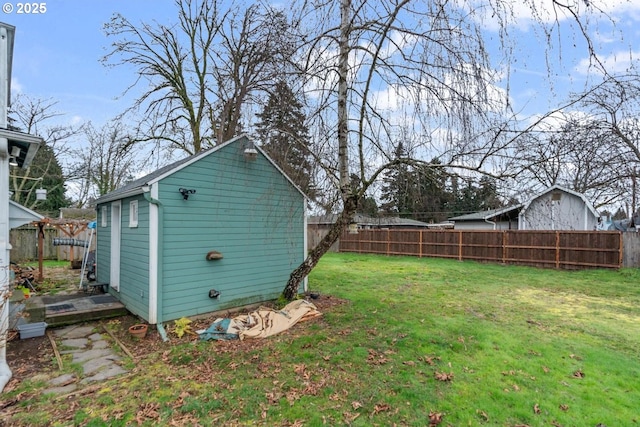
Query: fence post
x=504, y=247
x=420, y=250
x=557, y=249
x=388, y=241
x=459, y=245
x=620, y=250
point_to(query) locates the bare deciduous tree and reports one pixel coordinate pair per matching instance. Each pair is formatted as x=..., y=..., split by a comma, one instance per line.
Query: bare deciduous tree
x=105, y=163
x=381, y=71
x=34, y=116
x=576, y=153
x=200, y=72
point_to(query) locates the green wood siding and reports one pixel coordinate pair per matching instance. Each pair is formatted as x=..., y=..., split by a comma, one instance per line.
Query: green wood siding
x=134, y=258
x=103, y=245
x=245, y=209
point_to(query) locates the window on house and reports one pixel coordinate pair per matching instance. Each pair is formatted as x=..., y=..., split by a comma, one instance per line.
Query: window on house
x=103, y=217
x=133, y=213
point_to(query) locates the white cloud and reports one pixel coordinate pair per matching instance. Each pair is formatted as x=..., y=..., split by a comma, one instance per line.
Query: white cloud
x=523, y=13
x=616, y=63
x=16, y=87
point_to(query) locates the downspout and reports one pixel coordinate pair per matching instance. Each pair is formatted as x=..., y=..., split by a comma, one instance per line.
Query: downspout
x=146, y=191
x=492, y=223
x=305, y=252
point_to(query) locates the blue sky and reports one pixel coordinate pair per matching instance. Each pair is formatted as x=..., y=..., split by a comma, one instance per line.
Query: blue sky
x=57, y=54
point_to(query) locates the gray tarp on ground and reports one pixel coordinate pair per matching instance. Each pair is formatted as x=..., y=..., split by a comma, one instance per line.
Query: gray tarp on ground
x=261, y=323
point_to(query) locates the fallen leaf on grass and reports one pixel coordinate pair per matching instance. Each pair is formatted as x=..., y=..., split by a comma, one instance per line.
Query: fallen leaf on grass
x=349, y=417
x=578, y=374
x=536, y=409
x=430, y=360
x=564, y=407
x=435, y=418
x=484, y=415
x=334, y=397
x=299, y=369
x=443, y=376
x=380, y=407
x=409, y=363
x=147, y=412
x=376, y=358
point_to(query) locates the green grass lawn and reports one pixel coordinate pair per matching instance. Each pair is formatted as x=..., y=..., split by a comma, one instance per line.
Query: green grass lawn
x=465, y=344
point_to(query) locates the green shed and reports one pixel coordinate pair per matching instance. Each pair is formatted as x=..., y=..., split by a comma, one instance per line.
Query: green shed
x=220, y=229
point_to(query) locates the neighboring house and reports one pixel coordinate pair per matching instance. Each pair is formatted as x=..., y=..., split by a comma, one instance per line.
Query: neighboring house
x=494, y=219
x=319, y=225
x=556, y=208
x=365, y=222
x=221, y=229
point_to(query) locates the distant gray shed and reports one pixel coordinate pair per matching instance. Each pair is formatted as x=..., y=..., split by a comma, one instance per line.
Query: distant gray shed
x=556, y=208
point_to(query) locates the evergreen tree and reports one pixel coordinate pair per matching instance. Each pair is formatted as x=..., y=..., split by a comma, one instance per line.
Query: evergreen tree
x=284, y=136
x=367, y=206
x=44, y=172
x=474, y=197
x=415, y=191
x=397, y=185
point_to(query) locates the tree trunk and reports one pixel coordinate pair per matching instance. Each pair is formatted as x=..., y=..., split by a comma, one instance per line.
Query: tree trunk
x=343, y=113
x=303, y=270
x=349, y=196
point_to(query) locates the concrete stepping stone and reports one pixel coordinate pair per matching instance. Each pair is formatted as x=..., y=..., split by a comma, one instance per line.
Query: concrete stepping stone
x=97, y=364
x=62, y=379
x=96, y=337
x=61, y=390
x=111, y=372
x=74, y=331
x=83, y=356
x=100, y=344
x=75, y=342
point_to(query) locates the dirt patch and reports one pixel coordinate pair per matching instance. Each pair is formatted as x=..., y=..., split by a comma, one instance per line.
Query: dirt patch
x=33, y=356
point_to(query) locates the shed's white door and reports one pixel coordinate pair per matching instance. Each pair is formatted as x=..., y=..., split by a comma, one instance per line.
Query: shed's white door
x=116, y=216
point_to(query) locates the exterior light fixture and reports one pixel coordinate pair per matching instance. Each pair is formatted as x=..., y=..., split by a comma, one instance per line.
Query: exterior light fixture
x=13, y=158
x=250, y=152
x=186, y=192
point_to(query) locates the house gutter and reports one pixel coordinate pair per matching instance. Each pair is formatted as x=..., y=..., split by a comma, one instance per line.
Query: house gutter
x=155, y=264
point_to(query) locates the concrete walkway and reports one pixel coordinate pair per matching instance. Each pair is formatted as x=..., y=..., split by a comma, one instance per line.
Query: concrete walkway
x=92, y=351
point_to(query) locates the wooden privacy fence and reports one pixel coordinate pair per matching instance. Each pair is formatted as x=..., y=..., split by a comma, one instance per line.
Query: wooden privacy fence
x=554, y=249
x=24, y=242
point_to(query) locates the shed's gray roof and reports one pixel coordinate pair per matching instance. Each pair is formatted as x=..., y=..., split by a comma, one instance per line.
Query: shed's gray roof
x=135, y=187
x=370, y=221
x=488, y=214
